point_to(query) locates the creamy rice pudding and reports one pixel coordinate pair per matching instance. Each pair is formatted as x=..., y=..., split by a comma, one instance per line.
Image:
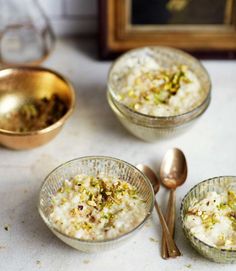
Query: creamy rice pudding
x=96, y=208
x=213, y=219
x=146, y=87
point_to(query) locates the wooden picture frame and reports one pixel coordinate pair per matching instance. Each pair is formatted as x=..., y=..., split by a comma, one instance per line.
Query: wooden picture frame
x=117, y=34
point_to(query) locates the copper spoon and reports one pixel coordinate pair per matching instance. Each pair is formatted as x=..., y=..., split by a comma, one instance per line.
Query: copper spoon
x=172, y=249
x=173, y=173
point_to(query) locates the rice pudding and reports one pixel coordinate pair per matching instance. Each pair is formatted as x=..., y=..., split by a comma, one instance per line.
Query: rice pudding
x=96, y=208
x=151, y=89
x=213, y=219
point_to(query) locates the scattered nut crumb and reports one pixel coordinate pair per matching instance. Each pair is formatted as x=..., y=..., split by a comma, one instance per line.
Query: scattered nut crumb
x=6, y=227
x=2, y=247
x=25, y=191
x=153, y=240
x=86, y=261
x=22, y=221
x=38, y=262
x=188, y=265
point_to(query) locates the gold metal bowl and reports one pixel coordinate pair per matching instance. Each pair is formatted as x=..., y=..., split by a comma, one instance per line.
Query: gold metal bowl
x=22, y=85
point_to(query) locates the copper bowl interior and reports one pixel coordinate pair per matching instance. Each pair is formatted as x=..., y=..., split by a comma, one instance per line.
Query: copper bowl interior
x=22, y=85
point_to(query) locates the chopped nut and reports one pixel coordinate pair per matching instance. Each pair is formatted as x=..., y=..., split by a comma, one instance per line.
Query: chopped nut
x=139, y=88
x=91, y=203
x=214, y=209
x=80, y=207
x=6, y=227
x=99, y=198
x=153, y=240
x=188, y=265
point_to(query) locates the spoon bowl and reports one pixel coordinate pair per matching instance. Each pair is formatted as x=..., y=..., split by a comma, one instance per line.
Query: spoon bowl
x=173, y=172
x=151, y=176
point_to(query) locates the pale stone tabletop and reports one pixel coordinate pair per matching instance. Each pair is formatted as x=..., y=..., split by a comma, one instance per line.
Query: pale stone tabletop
x=210, y=146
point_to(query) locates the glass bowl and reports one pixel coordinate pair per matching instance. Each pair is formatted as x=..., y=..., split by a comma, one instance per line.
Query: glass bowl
x=217, y=184
x=94, y=165
x=153, y=128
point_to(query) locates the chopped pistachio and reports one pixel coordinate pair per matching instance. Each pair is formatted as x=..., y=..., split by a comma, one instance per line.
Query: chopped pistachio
x=222, y=206
x=131, y=93
x=221, y=240
x=91, y=203
x=63, y=200
x=60, y=190
x=213, y=219
x=138, y=90
x=136, y=106
x=73, y=212
x=95, y=201
x=209, y=220
x=232, y=199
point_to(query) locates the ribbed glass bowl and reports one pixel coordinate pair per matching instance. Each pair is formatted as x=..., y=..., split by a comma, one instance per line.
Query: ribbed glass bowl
x=198, y=192
x=152, y=128
x=93, y=166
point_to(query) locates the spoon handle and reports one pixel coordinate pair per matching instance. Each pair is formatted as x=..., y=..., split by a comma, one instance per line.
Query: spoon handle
x=170, y=220
x=172, y=249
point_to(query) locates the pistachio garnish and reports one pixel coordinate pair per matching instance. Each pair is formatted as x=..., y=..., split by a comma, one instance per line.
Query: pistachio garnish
x=165, y=83
x=93, y=207
x=159, y=91
x=213, y=219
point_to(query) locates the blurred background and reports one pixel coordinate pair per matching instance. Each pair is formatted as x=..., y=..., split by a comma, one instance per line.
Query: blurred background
x=28, y=27
x=72, y=17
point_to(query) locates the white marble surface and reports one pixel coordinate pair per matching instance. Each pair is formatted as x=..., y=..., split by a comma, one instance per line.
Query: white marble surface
x=210, y=148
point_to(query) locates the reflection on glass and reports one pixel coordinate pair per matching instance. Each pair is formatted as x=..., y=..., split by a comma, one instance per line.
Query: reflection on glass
x=25, y=33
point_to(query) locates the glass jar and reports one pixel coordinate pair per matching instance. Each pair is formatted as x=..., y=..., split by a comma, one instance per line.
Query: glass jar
x=26, y=36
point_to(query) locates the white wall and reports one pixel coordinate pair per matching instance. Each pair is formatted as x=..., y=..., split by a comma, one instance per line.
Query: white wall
x=72, y=17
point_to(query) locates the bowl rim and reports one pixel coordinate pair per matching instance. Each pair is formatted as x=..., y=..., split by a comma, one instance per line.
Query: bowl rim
x=182, y=215
x=121, y=114
x=59, y=122
x=162, y=48
x=123, y=236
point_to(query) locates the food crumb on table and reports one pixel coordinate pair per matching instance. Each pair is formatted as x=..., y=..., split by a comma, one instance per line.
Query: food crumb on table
x=153, y=240
x=86, y=261
x=188, y=265
x=6, y=227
